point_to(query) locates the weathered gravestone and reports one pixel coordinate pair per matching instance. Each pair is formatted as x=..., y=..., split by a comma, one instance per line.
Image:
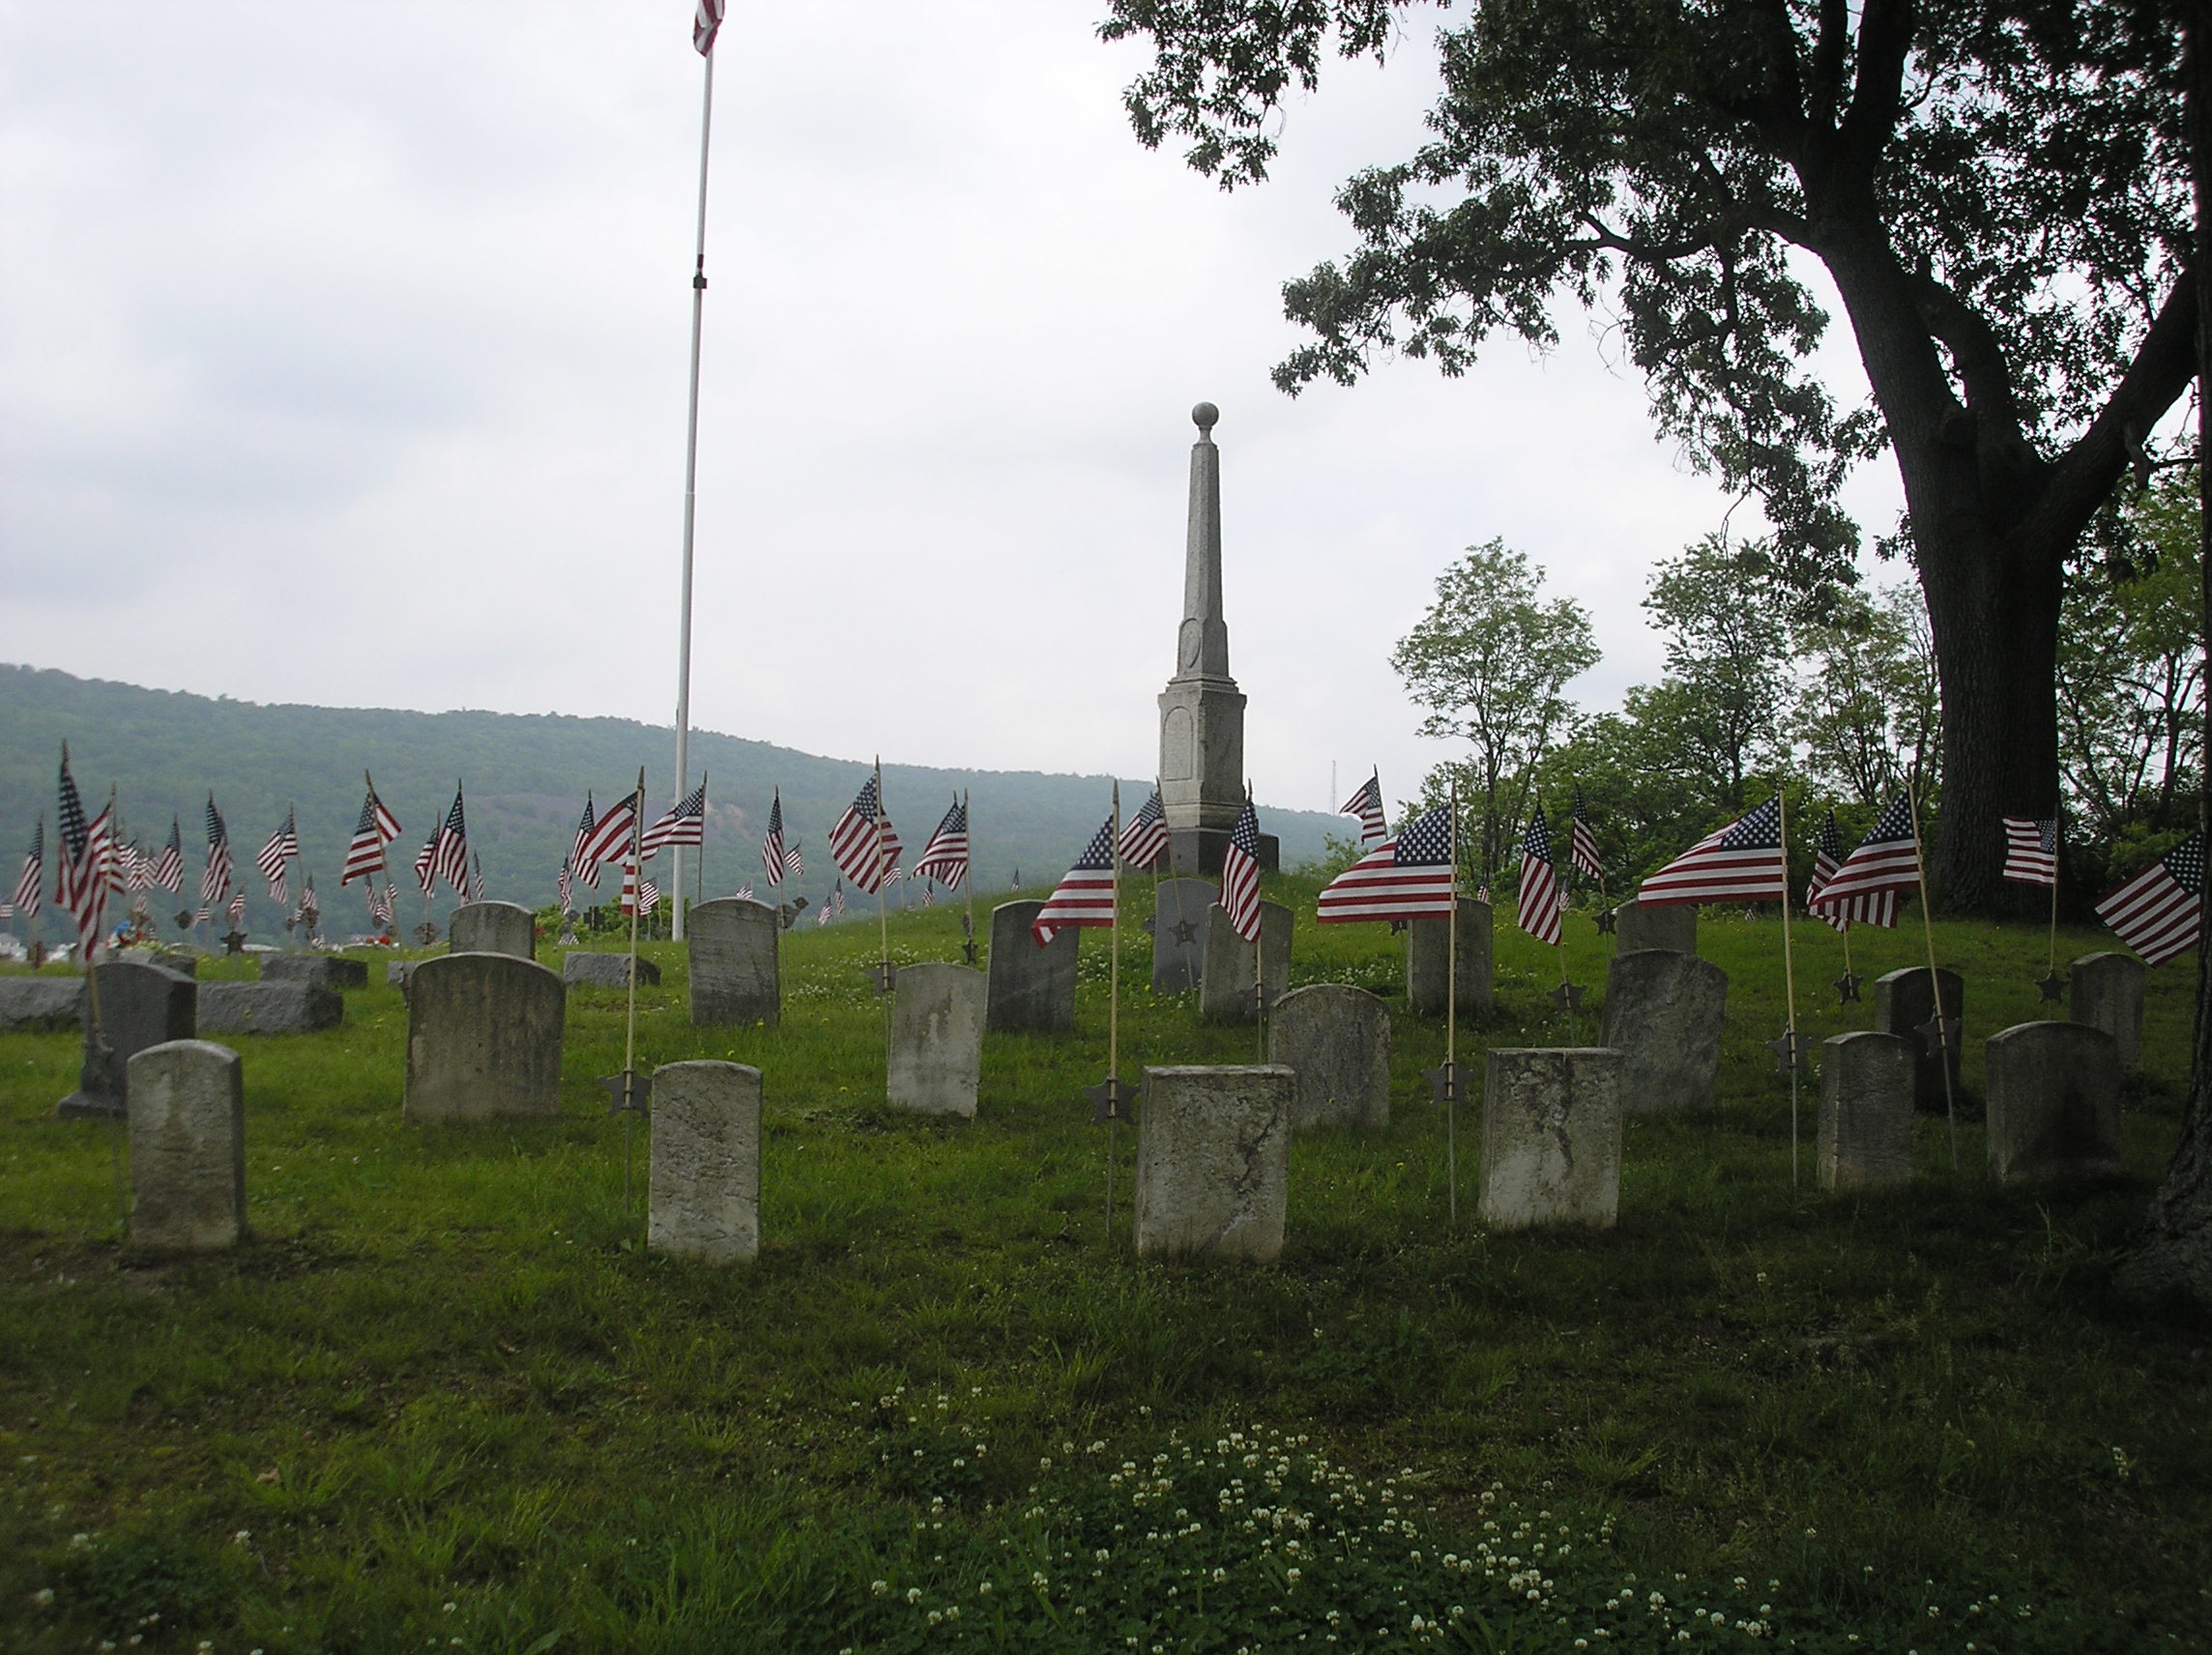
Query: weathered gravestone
x=188, y=1147
x=494, y=928
x=703, y=1190
x=324, y=970
x=1551, y=1137
x=185, y=962
x=1179, y=934
x=1225, y=992
x=2052, y=1093
x=1213, y=1162
x=1865, y=1136
x=1427, y=961
x=483, y=1038
x=612, y=970
x=1028, y=987
x=2107, y=993
x=737, y=975
x=1672, y=926
x=1335, y=1040
x=286, y=1006
x=937, y=1039
x=1663, y=1013
x=139, y=1007
x=398, y=974
x=1903, y=1005
x=41, y=1006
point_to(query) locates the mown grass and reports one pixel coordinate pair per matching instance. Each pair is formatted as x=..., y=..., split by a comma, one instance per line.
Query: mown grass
x=445, y=1399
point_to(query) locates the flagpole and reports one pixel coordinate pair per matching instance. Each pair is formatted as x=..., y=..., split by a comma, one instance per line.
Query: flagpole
x=968, y=885
x=882, y=910
x=1788, y=971
x=629, y=1026
x=1935, y=981
x=1451, y=1015
x=1114, y=1017
x=2052, y=966
x=690, y=493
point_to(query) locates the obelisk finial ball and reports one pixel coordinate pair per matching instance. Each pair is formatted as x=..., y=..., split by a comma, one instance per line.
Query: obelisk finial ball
x=1204, y=416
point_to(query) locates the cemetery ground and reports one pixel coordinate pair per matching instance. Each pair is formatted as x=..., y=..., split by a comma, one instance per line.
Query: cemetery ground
x=444, y=1399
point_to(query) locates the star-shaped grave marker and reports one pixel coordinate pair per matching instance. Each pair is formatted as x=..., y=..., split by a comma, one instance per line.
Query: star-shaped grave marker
x=2053, y=989
x=883, y=974
x=1569, y=997
x=1447, y=1083
x=1792, y=1051
x=1848, y=988
x=234, y=941
x=1184, y=932
x=1607, y=921
x=631, y=1093
x=1111, y=1100
x=1938, y=1033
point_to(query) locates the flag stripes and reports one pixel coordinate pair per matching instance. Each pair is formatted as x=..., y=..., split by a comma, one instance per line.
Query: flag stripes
x=853, y=841
x=1742, y=862
x=1539, y=900
x=1241, y=874
x=2032, y=851
x=1086, y=896
x=1406, y=878
x=2159, y=913
x=945, y=859
x=1888, y=860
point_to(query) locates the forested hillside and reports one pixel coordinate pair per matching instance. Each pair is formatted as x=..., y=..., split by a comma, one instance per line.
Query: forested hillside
x=525, y=778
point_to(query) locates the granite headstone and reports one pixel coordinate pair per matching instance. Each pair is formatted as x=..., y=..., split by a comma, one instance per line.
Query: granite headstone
x=1865, y=1134
x=188, y=1147
x=703, y=1190
x=1663, y=1014
x=1335, y=1040
x=1213, y=1161
x=483, y=1038
x=1427, y=961
x=2052, y=1093
x=1028, y=987
x=1551, y=1137
x=937, y=1039
x=737, y=970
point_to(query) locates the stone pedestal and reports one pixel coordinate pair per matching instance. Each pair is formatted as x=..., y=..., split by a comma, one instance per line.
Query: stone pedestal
x=188, y=1147
x=1865, y=1135
x=1194, y=853
x=2107, y=993
x=1551, y=1137
x=1672, y=926
x=1028, y=987
x=612, y=970
x=1902, y=1003
x=1428, y=960
x=483, y=1038
x=298, y=1005
x=494, y=928
x=937, y=1039
x=41, y=1006
x=323, y=971
x=1335, y=1040
x=737, y=975
x=1213, y=1162
x=2054, y=1101
x=1179, y=934
x=1225, y=992
x=139, y=1007
x=1663, y=1013
x=703, y=1190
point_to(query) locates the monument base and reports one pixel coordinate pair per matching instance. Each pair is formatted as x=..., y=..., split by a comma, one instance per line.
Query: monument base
x=1193, y=850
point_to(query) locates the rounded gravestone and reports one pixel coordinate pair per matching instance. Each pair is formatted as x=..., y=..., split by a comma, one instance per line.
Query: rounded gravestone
x=494, y=928
x=1663, y=1014
x=137, y=1006
x=1672, y=926
x=736, y=972
x=483, y=1038
x=1865, y=1136
x=1904, y=1006
x=703, y=1192
x=1225, y=994
x=1028, y=987
x=2052, y=1093
x=324, y=970
x=188, y=1147
x=1551, y=1137
x=1427, y=961
x=1335, y=1040
x=937, y=1039
x=2107, y=992
x=580, y=970
x=1213, y=1162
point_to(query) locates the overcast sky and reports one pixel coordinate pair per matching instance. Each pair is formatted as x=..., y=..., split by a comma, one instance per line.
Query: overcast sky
x=342, y=357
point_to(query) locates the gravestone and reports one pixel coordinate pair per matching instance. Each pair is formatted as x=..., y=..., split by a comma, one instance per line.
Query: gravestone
x=324, y=970
x=1551, y=1137
x=1672, y=926
x=737, y=974
x=1335, y=1040
x=1901, y=1005
x=1213, y=1162
x=1663, y=1013
x=188, y=1147
x=185, y=962
x=1427, y=961
x=2107, y=993
x=937, y=1039
x=612, y=970
x=41, y=1006
x=1865, y=1136
x=397, y=974
x=483, y=1038
x=296, y=1006
x=1179, y=935
x=494, y=928
x=2052, y=1093
x=1028, y=987
x=1225, y=991
x=139, y=1007
x=703, y=1188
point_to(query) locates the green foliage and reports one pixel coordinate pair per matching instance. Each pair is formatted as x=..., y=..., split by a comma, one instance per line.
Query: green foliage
x=1866, y=711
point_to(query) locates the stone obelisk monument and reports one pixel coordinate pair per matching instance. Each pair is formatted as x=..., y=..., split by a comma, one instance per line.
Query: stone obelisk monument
x=1201, y=711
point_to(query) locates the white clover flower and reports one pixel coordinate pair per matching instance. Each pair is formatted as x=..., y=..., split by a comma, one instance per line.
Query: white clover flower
x=935, y=1616
x=984, y=1590
x=914, y=1594
x=43, y=1596
x=879, y=1587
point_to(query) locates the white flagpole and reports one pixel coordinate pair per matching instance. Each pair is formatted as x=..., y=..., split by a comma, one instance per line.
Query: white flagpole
x=690, y=501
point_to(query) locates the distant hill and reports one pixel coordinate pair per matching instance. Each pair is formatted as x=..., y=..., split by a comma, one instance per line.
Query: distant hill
x=525, y=778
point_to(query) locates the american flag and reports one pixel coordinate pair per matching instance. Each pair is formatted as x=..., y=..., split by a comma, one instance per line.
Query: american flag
x=1742, y=862
x=475, y=877
x=745, y=893
x=1887, y=859
x=1240, y=874
x=1367, y=804
x=1086, y=896
x=2032, y=851
x=945, y=857
x=577, y=871
x=706, y=24
x=238, y=907
x=137, y=868
x=641, y=898
x=284, y=843
x=449, y=849
x=2159, y=911
x=685, y=823
x=375, y=829
x=1406, y=878
x=381, y=907
x=215, y=878
x=202, y=916
x=795, y=862
x=1582, y=843
x=1878, y=909
x=567, y=889
x=170, y=871
x=311, y=909
x=824, y=914
x=426, y=865
x=1144, y=835
x=103, y=849
x=34, y=873
x=279, y=891
x=771, y=846
x=929, y=896
x=1539, y=886
x=853, y=843
x=836, y=904
x=606, y=840
x=80, y=885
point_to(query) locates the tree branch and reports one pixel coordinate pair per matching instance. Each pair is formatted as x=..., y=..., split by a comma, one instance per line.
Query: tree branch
x=1975, y=350
x=1885, y=42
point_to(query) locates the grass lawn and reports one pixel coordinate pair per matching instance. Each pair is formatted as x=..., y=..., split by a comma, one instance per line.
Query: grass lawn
x=444, y=1399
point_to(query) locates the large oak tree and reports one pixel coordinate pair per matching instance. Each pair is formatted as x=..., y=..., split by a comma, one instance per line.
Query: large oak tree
x=1998, y=195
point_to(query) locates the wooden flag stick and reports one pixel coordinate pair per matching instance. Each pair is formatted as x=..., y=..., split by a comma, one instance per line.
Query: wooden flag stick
x=883, y=914
x=1935, y=981
x=630, y=1022
x=1451, y=1015
x=2052, y=965
x=968, y=883
x=1789, y=972
x=1113, y=1022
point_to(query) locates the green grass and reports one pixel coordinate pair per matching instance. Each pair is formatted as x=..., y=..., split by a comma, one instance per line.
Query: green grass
x=446, y=1374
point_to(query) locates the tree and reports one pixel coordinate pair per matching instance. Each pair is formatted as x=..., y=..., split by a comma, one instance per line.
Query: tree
x=1866, y=710
x=1490, y=661
x=1998, y=194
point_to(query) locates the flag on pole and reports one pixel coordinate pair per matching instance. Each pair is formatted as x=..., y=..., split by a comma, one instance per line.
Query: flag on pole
x=771, y=846
x=1086, y=896
x=450, y=850
x=745, y=893
x=1742, y=862
x=103, y=849
x=606, y=840
x=566, y=889
x=2032, y=851
x=284, y=843
x=1241, y=874
x=170, y=870
x=1406, y=878
x=278, y=893
x=706, y=24
x=639, y=897
x=838, y=901
x=685, y=823
x=2159, y=911
x=1887, y=859
x=137, y=868
x=375, y=829
x=34, y=873
x=382, y=908
x=578, y=871
x=215, y=878
x=1540, y=891
x=238, y=907
x=795, y=864
x=80, y=881
x=944, y=858
x=1582, y=843
x=1367, y=804
x=853, y=841
x=476, y=878
x=1877, y=908
x=1144, y=835
x=929, y=896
